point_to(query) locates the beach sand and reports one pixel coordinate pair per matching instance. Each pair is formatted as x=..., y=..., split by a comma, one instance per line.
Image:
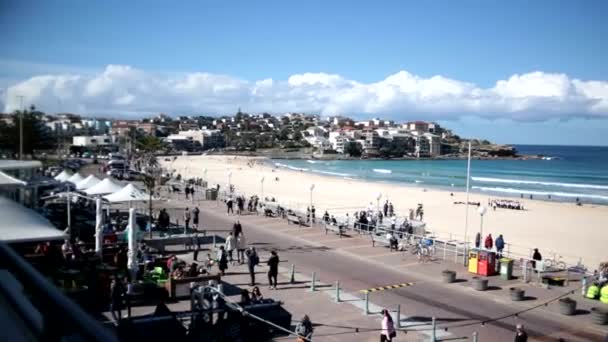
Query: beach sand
x=555, y=228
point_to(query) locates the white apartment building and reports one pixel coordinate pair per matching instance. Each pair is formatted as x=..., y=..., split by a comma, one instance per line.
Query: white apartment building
x=427, y=145
x=208, y=138
x=338, y=140
x=320, y=143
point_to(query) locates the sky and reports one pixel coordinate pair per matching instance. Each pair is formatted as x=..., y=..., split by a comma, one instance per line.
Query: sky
x=510, y=71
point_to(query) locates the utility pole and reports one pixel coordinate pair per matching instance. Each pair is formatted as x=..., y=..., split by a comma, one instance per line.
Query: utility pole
x=20, y=127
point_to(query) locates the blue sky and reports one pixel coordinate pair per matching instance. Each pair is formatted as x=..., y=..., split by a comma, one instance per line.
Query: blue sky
x=473, y=42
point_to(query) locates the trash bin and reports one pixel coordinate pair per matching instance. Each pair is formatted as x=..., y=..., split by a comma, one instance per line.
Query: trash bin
x=211, y=194
x=506, y=268
x=473, y=260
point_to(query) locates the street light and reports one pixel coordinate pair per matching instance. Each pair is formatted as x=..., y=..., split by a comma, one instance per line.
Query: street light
x=262, y=186
x=312, y=187
x=482, y=210
x=230, y=181
x=205, y=175
x=378, y=201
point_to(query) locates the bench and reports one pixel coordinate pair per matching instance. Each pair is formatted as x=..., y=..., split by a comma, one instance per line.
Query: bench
x=180, y=288
x=291, y=218
x=381, y=239
x=333, y=228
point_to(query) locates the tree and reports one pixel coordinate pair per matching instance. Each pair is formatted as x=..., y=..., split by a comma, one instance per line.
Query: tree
x=36, y=135
x=353, y=149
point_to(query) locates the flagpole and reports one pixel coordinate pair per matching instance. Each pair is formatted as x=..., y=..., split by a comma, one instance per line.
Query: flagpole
x=466, y=216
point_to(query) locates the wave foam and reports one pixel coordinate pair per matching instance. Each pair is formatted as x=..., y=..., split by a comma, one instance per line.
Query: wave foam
x=383, y=171
x=333, y=173
x=291, y=167
x=516, y=181
x=541, y=193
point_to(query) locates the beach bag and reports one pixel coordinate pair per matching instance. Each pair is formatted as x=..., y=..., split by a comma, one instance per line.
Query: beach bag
x=393, y=334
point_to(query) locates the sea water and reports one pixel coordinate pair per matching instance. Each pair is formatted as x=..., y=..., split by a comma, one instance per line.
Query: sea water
x=564, y=174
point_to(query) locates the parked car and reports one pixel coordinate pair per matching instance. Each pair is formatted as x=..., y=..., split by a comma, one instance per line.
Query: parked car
x=133, y=175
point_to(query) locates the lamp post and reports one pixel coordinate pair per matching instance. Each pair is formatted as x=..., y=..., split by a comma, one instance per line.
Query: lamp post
x=378, y=201
x=262, y=187
x=205, y=176
x=482, y=210
x=312, y=187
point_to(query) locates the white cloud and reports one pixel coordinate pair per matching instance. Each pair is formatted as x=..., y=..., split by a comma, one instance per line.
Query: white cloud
x=123, y=90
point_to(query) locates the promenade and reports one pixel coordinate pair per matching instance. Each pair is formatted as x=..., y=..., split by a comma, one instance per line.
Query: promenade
x=459, y=310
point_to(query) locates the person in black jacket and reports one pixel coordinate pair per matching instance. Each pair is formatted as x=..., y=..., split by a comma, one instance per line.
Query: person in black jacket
x=273, y=272
x=252, y=261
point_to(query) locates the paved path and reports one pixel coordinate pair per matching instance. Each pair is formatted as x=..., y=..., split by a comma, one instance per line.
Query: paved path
x=358, y=266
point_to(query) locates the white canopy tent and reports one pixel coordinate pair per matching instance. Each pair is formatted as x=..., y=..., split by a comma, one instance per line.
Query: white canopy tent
x=20, y=224
x=63, y=176
x=87, y=182
x=127, y=194
x=10, y=181
x=104, y=187
x=75, y=179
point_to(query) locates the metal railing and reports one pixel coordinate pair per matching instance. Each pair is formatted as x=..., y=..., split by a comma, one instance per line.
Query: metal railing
x=51, y=316
x=512, y=251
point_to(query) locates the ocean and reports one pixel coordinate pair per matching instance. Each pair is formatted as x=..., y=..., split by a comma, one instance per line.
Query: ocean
x=565, y=174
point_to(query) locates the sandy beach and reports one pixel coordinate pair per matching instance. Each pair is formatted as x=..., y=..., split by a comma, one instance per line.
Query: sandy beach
x=555, y=228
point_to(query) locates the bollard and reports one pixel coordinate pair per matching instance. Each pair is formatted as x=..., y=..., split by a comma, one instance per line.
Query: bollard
x=475, y=336
x=293, y=274
x=367, y=303
x=433, y=332
x=312, y=283
x=337, y=291
x=398, y=316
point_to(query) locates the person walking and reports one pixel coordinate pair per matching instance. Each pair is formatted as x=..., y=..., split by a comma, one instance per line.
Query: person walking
x=489, y=242
x=536, y=256
x=196, y=212
x=222, y=260
x=229, y=204
x=252, y=261
x=500, y=245
x=391, y=210
x=477, y=240
x=187, y=217
x=520, y=334
x=241, y=245
x=304, y=329
x=192, y=193
x=312, y=213
x=237, y=229
x=385, y=208
x=117, y=294
x=388, y=328
x=273, y=272
x=230, y=246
